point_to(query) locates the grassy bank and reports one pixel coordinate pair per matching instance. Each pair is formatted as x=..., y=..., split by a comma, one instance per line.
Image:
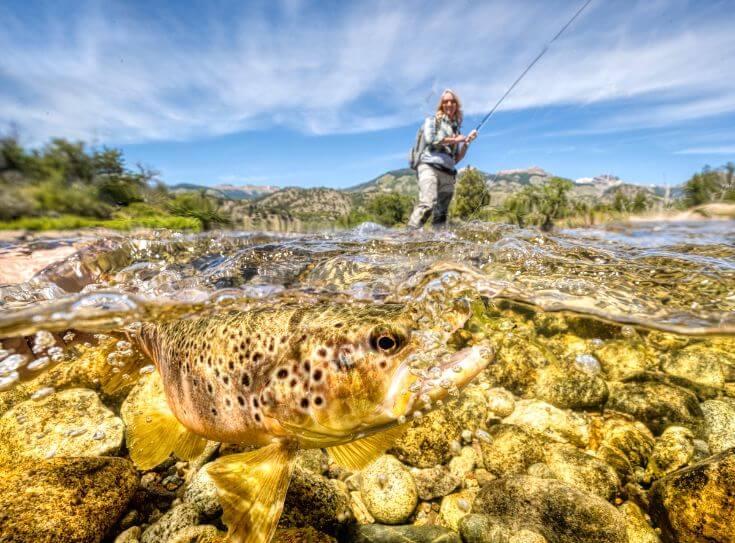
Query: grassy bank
x=70, y=222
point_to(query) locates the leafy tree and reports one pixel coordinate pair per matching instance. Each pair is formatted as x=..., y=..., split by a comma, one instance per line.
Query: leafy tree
x=640, y=202
x=390, y=208
x=621, y=203
x=199, y=206
x=702, y=187
x=470, y=195
x=552, y=201
x=539, y=205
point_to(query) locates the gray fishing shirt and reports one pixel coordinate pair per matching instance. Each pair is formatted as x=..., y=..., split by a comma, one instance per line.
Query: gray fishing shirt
x=442, y=155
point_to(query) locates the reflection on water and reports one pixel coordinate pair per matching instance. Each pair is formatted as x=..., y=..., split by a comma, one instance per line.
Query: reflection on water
x=678, y=277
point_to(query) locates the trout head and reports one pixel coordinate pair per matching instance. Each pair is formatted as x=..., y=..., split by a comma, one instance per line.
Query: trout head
x=359, y=371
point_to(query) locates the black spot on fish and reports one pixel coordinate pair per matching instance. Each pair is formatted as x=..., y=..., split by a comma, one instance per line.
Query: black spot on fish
x=307, y=366
x=228, y=403
x=317, y=375
x=304, y=402
x=257, y=417
x=322, y=352
x=210, y=389
x=255, y=403
x=241, y=401
x=284, y=339
x=225, y=379
x=318, y=400
x=282, y=373
x=243, y=346
x=242, y=358
x=383, y=364
x=246, y=380
x=257, y=357
x=338, y=324
x=214, y=412
x=293, y=383
x=216, y=372
x=231, y=365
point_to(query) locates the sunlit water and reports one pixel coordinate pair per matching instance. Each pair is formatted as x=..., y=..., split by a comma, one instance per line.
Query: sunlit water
x=673, y=277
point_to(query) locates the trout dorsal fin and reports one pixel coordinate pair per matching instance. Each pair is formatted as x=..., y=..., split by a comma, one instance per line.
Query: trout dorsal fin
x=358, y=454
x=153, y=432
x=252, y=488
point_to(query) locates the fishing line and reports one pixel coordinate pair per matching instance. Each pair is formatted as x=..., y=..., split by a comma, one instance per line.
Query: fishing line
x=528, y=68
x=518, y=80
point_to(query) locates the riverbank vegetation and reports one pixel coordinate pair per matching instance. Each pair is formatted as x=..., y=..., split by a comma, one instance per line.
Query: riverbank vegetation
x=65, y=185
x=70, y=185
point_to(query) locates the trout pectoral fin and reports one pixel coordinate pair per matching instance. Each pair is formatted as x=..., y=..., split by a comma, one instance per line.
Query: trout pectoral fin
x=153, y=432
x=252, y=488
x=358, y=454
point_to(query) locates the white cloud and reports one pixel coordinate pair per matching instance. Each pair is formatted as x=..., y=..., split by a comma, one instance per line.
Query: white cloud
x=109, y=74
x=721, y=150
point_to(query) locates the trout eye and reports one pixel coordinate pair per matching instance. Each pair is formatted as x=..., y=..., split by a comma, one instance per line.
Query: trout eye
x=385, y=341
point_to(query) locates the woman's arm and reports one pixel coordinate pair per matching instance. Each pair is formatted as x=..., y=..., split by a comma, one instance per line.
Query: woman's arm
x=463, y=149
x=431, y=134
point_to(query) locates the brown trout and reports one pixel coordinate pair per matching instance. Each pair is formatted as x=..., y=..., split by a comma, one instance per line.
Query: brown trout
x=328, y=375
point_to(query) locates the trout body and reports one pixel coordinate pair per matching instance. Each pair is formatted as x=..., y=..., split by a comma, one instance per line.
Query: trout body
x=294, y=376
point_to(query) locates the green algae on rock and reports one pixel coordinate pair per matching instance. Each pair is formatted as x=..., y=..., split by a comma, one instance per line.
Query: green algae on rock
x=64, y=500
x=561, y=513
x=72, y=422
x=550, y=422
x=568, y=387
x=673, y=450
x=656, y=404
x=427, y=441
x=203, y=533
x=583, y=471
x=378, y=533
x=697, y=503
x=719, y=424
x=301, y=535
x=314, y=500
x=638, y=528
x=510, y=450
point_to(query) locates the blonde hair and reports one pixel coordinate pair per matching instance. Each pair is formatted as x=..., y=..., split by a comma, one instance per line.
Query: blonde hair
x=458, y=116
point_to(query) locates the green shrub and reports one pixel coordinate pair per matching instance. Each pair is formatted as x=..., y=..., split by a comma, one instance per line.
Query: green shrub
x=390, y=209
x=199, y=206
x=70, y=222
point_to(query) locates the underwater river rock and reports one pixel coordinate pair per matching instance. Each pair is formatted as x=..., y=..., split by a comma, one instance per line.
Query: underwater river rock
x=609, y=408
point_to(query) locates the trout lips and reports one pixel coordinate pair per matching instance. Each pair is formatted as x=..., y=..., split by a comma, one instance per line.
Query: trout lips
x=408, y=391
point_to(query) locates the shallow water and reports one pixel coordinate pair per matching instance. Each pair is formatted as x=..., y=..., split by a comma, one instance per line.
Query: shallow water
x=605, y=310
x=670, y=276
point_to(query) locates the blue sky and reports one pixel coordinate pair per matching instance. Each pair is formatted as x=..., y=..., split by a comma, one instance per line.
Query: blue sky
x=331, y=93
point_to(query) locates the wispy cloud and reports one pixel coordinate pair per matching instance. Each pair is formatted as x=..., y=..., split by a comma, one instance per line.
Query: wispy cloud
x=119, y=76
x=721, y=150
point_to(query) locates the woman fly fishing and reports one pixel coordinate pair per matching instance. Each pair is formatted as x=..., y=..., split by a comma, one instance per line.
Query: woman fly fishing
x=440, y=147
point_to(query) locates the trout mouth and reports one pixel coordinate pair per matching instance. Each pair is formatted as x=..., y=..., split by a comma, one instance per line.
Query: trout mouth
x=412, y=391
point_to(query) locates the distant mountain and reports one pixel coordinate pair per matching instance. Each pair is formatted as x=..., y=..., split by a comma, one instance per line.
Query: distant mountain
x=271, y=207
x=403, y=181
x=229, y=192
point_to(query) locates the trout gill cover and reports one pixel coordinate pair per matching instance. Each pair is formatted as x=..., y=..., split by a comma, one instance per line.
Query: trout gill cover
x=281, y=378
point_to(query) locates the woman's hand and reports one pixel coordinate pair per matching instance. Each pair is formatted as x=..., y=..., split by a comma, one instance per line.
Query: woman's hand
x=472, y=135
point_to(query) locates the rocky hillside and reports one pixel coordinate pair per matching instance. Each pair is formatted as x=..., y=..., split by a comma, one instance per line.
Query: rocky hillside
x=298, y=206
x=506, y=182
x=402, y=181
x=229, y=192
